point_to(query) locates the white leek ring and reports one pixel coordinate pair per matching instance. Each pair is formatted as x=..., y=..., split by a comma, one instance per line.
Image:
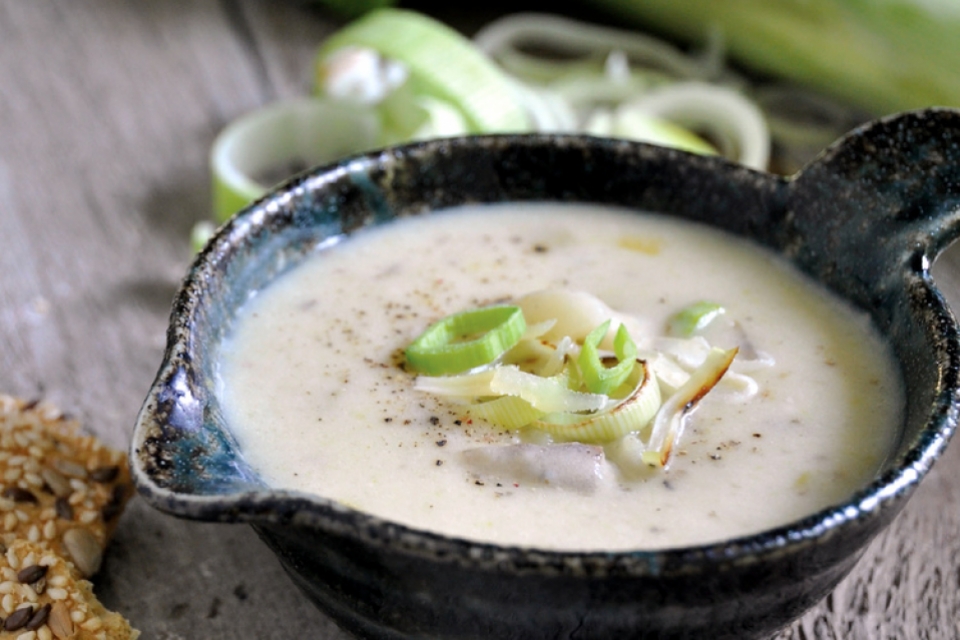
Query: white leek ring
x=508, y=39
x=297, y=133
x=734, y=122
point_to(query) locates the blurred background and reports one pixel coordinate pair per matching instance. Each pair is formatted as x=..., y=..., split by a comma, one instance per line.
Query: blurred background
x=109, y=111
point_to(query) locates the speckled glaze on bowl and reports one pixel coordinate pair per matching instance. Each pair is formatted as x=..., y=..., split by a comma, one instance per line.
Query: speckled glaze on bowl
x=866, y=219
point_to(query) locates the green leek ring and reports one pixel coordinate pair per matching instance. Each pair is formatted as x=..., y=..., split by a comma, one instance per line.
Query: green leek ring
x=466, y=340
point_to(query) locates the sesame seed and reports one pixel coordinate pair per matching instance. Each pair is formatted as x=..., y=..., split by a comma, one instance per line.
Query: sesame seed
x=92, y=624
x=28, y=593
x=58, y=581
x=33, y=479
x=78, y=485
x=57, y=593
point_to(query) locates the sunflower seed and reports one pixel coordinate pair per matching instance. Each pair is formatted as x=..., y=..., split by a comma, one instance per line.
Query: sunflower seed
x=59, y=621
x=84, y=550
x=70, y=468
x=59, y=485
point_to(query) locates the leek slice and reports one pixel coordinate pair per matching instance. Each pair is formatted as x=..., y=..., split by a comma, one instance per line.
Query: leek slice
x=693, y=318
x=632, y=123
x=628, y=416
x=547, y=394
x=441, y=62
x=597, y=377
x=467, y=385
x=669, y=421
x=466, y=340
x=550, y=395
x=511, y=39
x=510, y=412
x=731, y=120
x=255, y=151
x=575, y=313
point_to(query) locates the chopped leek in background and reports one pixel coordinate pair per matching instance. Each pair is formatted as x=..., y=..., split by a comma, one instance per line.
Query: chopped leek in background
x=824, y=67
x=393, y=76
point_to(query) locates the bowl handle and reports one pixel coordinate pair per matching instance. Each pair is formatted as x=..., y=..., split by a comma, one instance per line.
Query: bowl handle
x=882, y=199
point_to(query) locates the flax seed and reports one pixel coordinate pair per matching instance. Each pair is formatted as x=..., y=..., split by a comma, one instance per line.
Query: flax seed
x=39, y=618
x=31, y=573
x=18, y=619
x=105, y=474
x=18, y=494
x=63, y=508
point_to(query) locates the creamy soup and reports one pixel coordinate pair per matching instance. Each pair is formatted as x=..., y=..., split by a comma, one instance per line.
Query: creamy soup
x=314, y=388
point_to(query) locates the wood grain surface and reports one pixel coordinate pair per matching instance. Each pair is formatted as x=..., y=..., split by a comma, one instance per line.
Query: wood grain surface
x=107, y=111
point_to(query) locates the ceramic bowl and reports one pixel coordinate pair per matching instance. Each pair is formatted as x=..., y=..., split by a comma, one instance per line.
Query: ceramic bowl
x=866, y=219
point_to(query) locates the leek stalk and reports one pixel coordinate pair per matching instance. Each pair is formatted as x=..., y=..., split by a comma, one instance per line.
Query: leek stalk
x=881, y=55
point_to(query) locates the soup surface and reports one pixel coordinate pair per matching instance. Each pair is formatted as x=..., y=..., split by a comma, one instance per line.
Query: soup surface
x=313, y=388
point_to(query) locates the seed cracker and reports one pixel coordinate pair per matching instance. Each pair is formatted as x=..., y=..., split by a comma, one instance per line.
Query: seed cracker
x=59, y=488
x=41, y=598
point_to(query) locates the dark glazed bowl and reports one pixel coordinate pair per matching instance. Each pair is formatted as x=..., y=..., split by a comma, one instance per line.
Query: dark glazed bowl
x=866, y=219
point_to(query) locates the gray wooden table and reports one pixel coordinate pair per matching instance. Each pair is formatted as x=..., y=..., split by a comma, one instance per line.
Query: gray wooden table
x=107, y=113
